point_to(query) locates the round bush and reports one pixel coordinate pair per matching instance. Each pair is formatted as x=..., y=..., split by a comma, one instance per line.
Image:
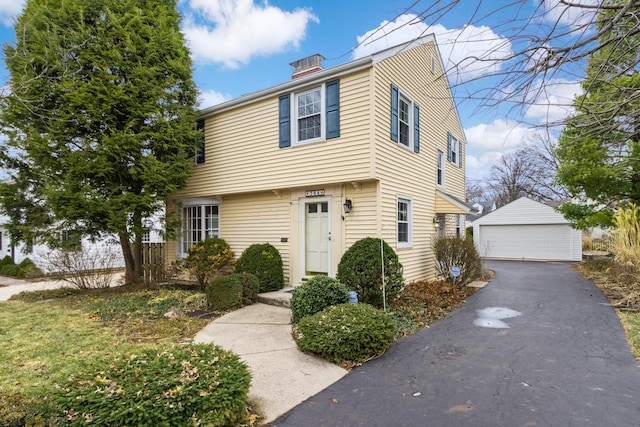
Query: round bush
x=263, y=261
x=360, y=269
x=346, y=332
x=183, y=385
x=7, y=260
x=224, y=293
x=28, y=270
x=250, y=287
x=208, y=258
x=452, y=251
x=315, y=295
x=9, y=270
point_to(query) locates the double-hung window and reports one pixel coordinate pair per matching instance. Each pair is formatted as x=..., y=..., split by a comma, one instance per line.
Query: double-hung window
x=405, y=120
x=404, y=222
x=454, y=151
x=199, y=221
x=309, y=115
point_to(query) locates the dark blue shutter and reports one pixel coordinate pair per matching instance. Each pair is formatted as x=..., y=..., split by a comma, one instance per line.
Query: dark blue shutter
x=416, y=128
x=333, y=108
x=284, y=121
x=394, y=113
x=449, y=147
x=200, y=148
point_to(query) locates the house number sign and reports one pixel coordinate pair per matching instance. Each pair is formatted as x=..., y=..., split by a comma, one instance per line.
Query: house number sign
x=314, y=193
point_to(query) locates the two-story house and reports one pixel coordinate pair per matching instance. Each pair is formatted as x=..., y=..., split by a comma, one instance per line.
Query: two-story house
x=370, y=148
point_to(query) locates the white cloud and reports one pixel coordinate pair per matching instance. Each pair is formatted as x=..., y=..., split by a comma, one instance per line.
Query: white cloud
x=211, y=97
x=469, y=52
x=231, y=32
x=488, y=142
x=579, y=13
x=500, y=135
x=10, y=9
x=552, y=101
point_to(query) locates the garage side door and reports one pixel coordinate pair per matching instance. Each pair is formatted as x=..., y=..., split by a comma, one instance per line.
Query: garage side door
x=535, y=242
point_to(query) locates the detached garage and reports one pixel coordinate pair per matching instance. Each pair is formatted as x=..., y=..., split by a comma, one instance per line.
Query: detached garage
x=527, y=230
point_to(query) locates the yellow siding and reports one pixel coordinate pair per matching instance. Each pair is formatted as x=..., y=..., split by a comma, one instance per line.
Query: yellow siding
x=244, y=164
x=257, y=218
x=405, y=173
x=242, y=153
x=364, y=219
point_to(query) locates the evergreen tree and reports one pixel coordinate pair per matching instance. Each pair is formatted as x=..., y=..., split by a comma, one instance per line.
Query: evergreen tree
x=99, y=120
x=599, y=150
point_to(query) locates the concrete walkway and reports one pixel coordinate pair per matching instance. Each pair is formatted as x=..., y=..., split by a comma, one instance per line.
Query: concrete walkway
x=538, y=346
x=10, y=286
x=282, y=376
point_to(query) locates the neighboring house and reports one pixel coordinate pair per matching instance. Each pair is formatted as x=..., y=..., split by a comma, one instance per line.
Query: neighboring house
x=481, y=209
x=527, y=230
x=370, y=148
x=96, y=251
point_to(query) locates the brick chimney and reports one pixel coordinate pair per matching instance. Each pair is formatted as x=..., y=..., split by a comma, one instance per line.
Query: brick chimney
x=305, y=66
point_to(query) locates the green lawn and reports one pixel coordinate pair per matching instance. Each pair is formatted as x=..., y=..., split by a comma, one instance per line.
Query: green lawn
x=44, y=340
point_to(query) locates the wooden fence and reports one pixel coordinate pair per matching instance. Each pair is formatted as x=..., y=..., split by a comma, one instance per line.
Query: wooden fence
x=153, y=259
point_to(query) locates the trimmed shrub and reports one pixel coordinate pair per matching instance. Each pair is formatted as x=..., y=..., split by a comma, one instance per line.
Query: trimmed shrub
x=207, y=259
x=360, y=269
x=28, y=270
x=263, y=261
x=315, y=295
x=9, y=270
x=183, y=385
x=346, y=332
x=453, y=251
x=250, y=287
x=7, y=260
x=224, y=293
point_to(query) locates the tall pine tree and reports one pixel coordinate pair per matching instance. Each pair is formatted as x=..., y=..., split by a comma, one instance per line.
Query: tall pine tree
x=100, y=120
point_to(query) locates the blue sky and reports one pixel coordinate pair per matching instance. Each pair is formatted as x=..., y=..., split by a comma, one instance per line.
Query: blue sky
x=240, y=46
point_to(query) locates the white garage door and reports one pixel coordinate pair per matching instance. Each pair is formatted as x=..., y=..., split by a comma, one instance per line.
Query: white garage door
x=536, y=242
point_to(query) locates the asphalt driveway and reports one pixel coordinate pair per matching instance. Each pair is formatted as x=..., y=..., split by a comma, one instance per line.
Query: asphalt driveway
x=538, y=346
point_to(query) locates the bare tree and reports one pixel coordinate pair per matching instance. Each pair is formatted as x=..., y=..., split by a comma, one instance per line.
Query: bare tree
x=539, y=153
x=475, y=192
x=510, y=179
x=540, y=45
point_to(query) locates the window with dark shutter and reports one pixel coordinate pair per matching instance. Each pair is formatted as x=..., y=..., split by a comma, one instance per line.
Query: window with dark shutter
x=201, y=142
x=284, y=121
x=333, y=109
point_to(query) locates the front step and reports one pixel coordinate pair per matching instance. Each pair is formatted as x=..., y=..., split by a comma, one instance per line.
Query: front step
x=279, y=298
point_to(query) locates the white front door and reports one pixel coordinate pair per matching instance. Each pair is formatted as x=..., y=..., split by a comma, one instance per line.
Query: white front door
x=317, y=237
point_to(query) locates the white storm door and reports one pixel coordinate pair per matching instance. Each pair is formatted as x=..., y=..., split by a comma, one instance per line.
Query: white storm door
x=316, y=238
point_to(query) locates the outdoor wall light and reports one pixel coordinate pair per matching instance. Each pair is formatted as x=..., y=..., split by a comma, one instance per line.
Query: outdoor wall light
x=347, y=206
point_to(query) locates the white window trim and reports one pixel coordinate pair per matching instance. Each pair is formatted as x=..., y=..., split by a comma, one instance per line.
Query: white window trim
x=409, y=242
x=401, y=96
x=190, y=203
x=294, y=116
x=433, y=64
x=440, y=156
x=456, y=148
